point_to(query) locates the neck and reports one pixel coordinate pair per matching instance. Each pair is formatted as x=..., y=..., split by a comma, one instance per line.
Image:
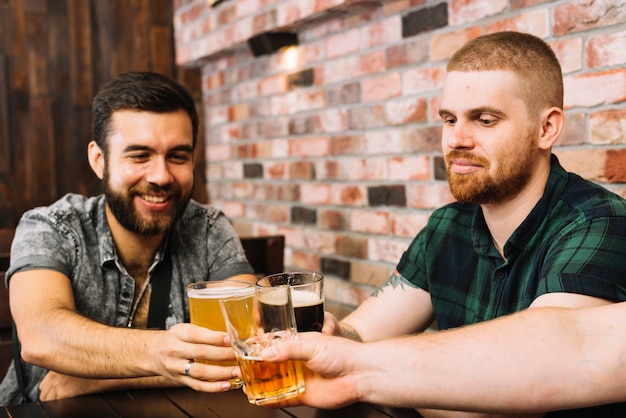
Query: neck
x=503, y=218
x=135, y=251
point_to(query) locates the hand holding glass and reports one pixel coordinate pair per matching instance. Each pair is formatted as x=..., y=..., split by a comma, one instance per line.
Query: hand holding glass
x=204, y=309
x=255, y=322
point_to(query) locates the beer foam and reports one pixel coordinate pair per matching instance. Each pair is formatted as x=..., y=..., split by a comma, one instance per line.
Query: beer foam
x=302, y=298
x=220, y=292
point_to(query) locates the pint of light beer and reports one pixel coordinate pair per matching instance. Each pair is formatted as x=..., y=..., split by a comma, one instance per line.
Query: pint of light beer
x=307, y=294
x=255, y=322
x=204, y=309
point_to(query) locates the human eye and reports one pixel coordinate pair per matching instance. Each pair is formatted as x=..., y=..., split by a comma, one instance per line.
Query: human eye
x=139, y=156
x=180, y=157
x=448, y=119
x=486, y=119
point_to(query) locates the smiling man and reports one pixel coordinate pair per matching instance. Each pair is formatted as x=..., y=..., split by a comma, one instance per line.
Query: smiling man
x=524, y=233
x=97, y=285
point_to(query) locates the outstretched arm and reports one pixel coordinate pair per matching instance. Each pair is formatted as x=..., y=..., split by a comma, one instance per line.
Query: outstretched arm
x=56, y=337
x=533, y=361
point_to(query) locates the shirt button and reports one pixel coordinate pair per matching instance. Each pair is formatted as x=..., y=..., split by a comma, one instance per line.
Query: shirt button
x=500, y=275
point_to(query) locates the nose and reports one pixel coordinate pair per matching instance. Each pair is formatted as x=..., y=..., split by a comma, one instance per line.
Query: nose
x=159, y=172
x=458, y=136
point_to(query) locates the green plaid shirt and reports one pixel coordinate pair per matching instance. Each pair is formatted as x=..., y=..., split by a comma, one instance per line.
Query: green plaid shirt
x=574, y=240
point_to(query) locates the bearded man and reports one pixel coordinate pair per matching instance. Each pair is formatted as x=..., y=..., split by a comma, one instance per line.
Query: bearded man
x=97, y=285
x=523, y=233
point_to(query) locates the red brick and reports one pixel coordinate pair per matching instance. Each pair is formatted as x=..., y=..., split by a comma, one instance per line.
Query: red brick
x=576, y=16
x=382, y=32
x=315, y=194
x=588, y=163
x=373, y=62
x=408, y=224
x=429, y=196
x=366, y=117
x=423, y=80
x=606, y=50
x=608, y=127
x=569, y=54
x=302, y=260
x=536, y=22
x=615, y=166
x=319, y=242
x=301, y=170
x=332, y=219
x=384, y=142
x=309, y=147
x=405, y=110
x=370, y=222
x=343, y=43
x=595, y=88
x=332, y=170
x=277, y=213
x=381, y=87
x=346, y=144
x=574, y=130
x=276, y=170
x=463, y=11
x=387, y=250
x=349, y=195
x=409, y=168
x=351, y=246
x=520, y=4
x=363, y=272
x=368, y=169
x=412, y=52
x=273, y=84
x=332, y=120
x=423, y=139
x=443, y=45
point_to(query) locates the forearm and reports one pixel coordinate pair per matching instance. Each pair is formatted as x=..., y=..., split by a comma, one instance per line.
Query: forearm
x=537, y=360
x=69, y=343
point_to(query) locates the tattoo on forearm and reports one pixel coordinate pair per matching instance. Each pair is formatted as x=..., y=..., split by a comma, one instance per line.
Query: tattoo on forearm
x=351, y=333
x=394, y=281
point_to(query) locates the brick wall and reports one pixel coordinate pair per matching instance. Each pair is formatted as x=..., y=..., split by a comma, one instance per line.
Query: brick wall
x=336, y=144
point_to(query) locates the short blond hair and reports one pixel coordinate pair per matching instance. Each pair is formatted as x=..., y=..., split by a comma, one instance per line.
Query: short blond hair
x=525, y=55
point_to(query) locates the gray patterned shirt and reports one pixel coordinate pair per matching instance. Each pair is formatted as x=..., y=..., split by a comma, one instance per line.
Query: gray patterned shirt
x=72, y=237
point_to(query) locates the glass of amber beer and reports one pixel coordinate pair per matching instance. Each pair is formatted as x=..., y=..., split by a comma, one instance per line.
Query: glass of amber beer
x=307, y=295
x=204, y=309
x=254, y=322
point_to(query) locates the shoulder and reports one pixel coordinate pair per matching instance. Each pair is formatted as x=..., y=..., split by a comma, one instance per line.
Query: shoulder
x=70, y=209
x=591, y=199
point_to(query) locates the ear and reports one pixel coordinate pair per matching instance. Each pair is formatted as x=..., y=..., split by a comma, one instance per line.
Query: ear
x=551, y=128
x=96, y=159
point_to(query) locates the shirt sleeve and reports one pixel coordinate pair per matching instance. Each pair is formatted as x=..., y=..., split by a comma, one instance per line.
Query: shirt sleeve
x=587, y=258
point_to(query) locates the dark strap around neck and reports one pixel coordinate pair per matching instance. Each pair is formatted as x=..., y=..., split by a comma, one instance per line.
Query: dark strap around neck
x=17, y=358
x=161, y=282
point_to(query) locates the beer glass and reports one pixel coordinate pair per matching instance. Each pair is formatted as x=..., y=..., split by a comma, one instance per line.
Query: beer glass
x=307, y=294
x=204, y=309
x=254, y=322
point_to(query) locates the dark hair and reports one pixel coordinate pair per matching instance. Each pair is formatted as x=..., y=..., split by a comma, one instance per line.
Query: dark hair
x=146, y=91
x=526, y=55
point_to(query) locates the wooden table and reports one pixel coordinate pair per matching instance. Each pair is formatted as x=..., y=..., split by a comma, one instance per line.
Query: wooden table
x=174, y=403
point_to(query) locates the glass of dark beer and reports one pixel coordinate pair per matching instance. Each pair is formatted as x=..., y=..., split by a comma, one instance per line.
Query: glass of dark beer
x=307, y=295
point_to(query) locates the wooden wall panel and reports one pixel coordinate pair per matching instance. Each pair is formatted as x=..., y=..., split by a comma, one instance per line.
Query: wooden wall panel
x=81, y=53
x=54, y=56
x=5, y=144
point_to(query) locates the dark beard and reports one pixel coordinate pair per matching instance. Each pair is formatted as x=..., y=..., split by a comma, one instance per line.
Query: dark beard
x=484, y=189
x=122, y=208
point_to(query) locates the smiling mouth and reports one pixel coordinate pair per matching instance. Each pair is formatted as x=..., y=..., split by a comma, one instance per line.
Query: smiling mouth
x=153, y=199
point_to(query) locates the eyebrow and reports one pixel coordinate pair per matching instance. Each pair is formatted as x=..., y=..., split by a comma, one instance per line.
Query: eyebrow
x=179, y=148
x=475, y=111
